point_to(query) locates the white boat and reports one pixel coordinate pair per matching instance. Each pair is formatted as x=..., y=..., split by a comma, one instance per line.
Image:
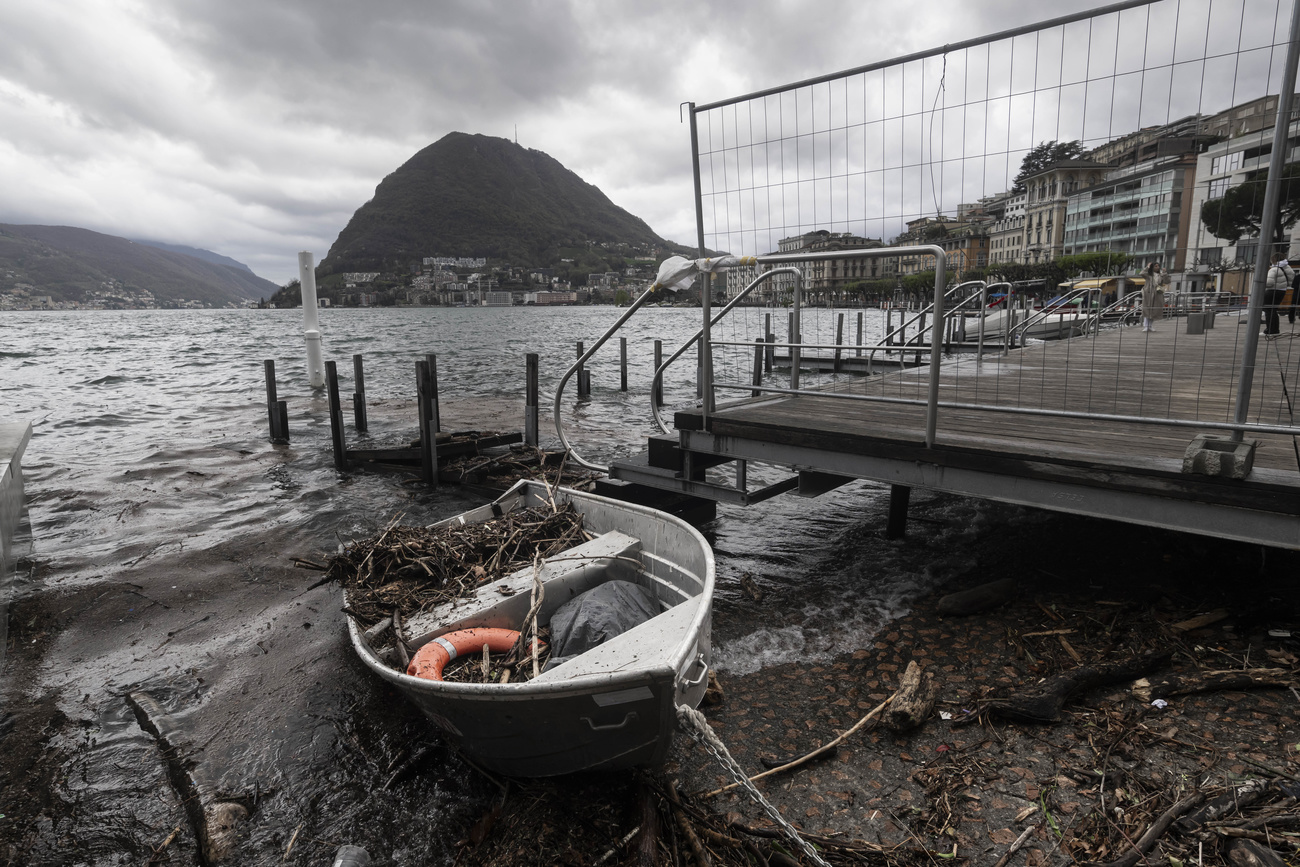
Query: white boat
x=613, y=706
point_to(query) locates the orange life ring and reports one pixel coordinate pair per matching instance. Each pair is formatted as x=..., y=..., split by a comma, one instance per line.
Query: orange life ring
x=430, y=660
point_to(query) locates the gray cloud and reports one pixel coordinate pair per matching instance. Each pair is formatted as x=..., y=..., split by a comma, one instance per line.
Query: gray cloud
x=256, y=129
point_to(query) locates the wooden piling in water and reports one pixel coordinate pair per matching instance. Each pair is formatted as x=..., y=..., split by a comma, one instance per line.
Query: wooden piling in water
x=859, y=349
x=584, y=384
x=759, y=343
x=622, y=364
x=277, y=411
x=770, y=356
x=434, y=413
x=839, y=339
x=699, y=368
x=425, y=406
x=896, y=527
x=530, y=399
x=359, y=395
x=336, y=416
x=659, y=359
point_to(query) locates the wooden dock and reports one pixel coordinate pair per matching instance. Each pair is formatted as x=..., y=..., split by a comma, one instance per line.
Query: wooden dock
x=1093, y=465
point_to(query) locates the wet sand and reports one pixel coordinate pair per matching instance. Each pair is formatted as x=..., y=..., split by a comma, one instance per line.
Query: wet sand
x=218, y=689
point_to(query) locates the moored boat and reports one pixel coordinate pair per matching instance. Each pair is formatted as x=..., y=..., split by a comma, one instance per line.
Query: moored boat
x=612, y=706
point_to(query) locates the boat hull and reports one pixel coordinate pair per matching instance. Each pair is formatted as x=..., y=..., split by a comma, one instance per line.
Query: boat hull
x=617, y=708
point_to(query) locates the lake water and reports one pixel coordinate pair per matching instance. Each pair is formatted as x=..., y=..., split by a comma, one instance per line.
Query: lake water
x=150, y=446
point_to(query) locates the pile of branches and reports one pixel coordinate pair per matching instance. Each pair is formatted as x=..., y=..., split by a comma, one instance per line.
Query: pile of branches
x=413, y=569
x=521, y=462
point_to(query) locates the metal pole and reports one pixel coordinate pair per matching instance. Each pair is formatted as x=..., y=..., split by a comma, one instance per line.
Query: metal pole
x=1267, y=224
x=796, y=333
x=936, y=339
x=706, y=281
x=310, y=320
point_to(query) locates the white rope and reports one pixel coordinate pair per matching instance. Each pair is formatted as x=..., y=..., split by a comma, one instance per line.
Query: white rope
x=695, y=725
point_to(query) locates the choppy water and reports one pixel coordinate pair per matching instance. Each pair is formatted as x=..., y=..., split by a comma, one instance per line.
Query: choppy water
x=150, y=444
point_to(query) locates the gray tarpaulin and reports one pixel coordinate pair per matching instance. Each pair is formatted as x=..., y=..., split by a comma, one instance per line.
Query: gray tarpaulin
x=594, y=617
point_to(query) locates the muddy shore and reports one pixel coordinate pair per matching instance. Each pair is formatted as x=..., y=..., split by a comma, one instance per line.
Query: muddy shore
x=222, y=677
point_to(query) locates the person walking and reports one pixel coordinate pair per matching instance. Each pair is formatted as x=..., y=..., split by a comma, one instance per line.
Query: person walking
x=1275, y=285
x=1153, y=297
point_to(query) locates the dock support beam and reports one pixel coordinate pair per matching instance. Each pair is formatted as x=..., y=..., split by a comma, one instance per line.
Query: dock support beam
x=896, y=527
x=530, y=399
x=434, y=415
x=310, y=319
x=277, y=411
x=584, y=381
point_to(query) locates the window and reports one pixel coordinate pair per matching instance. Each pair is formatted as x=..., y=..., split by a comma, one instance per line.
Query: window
x=1226, y=163
x=1218, y=187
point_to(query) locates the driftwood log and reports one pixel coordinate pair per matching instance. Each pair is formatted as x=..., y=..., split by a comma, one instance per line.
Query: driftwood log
x=1217, y=808
x=1248, y=853
x=976, y=599
x=1044, y=702
x=913, y=701
x=1214, y=681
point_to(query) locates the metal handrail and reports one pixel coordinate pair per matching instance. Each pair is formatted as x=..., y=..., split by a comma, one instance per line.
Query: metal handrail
x=657, y=382
x=586, y=356
x=1043, y=312
x=902, y=327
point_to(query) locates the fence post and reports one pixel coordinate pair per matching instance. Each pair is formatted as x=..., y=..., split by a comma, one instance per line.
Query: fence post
x=336, y=416
x=359, y=396
x=530, y=399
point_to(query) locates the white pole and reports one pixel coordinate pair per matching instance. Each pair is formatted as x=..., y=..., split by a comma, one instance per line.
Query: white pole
x=310, y=320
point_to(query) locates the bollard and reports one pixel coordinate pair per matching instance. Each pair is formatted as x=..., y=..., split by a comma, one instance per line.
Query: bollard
x=277, y=411
x=359, y=396
x=622, y=364
x=310, y=320
x=336, y=416
x=530, y=399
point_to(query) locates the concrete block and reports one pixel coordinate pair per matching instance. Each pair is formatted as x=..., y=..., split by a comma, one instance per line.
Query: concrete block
x=1210, y=455
x=1195, y=323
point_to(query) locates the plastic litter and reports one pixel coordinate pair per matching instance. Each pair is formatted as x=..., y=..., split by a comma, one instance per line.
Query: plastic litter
x=592, y=618
x=1160, y=702
x=351, y=856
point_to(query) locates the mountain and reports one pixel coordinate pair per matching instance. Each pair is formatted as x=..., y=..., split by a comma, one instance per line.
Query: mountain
x=197, y=253
x=70, y=264
x=483, y=197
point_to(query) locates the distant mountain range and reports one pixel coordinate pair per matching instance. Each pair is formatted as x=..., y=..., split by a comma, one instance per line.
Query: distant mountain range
x=483, y=197
x=70, y=264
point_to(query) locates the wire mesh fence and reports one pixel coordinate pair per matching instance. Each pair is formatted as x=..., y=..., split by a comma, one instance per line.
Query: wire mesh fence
x=1089, y=144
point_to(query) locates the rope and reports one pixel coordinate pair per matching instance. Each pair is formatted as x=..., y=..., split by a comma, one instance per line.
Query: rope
x=695, y=725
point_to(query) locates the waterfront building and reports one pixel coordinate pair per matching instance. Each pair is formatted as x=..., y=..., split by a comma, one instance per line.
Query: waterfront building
x=1218, y=263
x=1143, y=210
x=1047, y=195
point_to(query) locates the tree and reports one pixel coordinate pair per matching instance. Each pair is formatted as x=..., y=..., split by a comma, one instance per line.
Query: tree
x=1042, y=156
x=1240, y=210
x=1099, y=264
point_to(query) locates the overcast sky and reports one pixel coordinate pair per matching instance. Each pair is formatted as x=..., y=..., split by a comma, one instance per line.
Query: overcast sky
x=256, y=128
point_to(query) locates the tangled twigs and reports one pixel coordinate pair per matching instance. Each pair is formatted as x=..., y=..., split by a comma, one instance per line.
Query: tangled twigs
x=413, y=569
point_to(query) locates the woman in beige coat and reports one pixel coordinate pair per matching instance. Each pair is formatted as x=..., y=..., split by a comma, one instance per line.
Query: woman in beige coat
x=1153, y=296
